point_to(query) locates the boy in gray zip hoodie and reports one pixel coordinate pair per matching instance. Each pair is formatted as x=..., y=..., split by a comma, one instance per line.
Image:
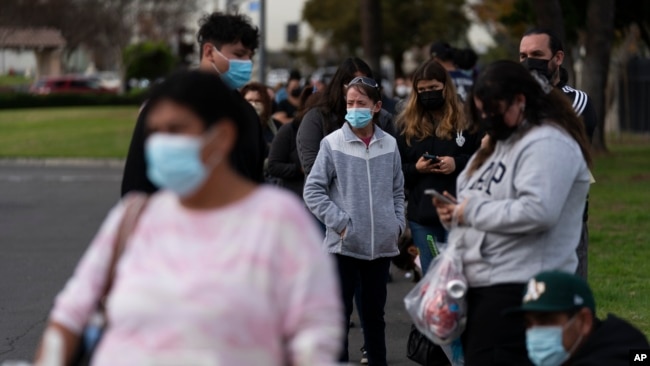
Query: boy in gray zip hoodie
x=521, y=200
x=356, y=188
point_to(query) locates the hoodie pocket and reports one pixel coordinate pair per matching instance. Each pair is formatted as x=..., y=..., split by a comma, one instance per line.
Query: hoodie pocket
x=471, y=241
x=354, y=240
x=477, y=267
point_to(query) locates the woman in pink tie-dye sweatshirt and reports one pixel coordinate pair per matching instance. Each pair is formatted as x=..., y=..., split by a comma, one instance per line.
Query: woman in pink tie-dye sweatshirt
x=218, y=270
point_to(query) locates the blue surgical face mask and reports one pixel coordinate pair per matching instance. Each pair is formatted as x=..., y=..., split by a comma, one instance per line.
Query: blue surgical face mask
x=544, y=345
x=358, y=117
x=238, y=74
x=174, y=162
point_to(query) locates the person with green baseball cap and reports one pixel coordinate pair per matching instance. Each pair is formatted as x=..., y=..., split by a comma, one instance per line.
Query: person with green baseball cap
x=562, y=327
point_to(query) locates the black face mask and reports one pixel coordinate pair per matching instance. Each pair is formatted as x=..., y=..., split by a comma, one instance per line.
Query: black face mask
x=295, y=92
x=496, y=127
x=539, y=65
x=431, y=100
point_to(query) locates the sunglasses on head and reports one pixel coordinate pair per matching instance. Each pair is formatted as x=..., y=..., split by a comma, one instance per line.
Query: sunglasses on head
x=365, y=81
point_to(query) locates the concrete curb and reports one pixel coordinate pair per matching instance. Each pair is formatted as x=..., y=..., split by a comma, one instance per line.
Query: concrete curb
x=80, y=162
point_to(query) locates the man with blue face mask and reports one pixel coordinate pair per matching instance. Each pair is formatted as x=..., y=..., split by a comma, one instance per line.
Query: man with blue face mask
x=227, y=44
x=562, y=328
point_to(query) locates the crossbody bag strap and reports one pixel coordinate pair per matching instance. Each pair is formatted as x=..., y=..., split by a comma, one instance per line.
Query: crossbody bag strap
x=135, y=204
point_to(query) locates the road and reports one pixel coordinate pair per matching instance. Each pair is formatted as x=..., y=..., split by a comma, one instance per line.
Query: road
x=48, y=215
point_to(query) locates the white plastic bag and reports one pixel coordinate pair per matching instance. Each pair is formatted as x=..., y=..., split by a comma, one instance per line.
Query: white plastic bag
x=438, y=305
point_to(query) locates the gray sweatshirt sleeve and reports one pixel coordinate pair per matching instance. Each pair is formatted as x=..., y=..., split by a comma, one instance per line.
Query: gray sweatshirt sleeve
x=317, y=189
x=545, y=171
x=398, y=190
x=310, y=134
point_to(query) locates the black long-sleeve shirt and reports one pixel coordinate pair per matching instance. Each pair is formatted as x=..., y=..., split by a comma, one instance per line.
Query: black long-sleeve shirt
x=247, y=158
x=420, y=207
x=284, y=162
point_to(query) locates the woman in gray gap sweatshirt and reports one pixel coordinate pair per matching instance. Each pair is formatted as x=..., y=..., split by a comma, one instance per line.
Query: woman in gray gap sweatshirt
x=521, y=200
x=356, y=188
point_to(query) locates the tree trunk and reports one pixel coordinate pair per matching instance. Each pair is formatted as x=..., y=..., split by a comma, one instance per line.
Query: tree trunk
x=398, y=59
x=371, y=37
x=600, y=32
x=549, y=15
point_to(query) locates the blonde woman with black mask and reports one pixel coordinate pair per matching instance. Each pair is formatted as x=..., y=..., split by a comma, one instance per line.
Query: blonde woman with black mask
x=435, y=144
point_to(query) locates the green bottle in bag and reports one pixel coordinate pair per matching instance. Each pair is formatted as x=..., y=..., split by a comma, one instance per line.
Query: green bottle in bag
x=432, y=246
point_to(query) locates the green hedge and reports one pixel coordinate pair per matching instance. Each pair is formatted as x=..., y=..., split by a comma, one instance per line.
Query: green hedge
x=23, y=100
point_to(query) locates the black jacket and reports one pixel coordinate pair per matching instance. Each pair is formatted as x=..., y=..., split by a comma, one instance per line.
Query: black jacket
x=269, y=135
x=583, y=106
x=247, y=159
x=420, y=207
x=283, y=159
x=609, y=344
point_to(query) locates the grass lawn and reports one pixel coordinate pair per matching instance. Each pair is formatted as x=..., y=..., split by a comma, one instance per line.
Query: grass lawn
x=94, y=132
x=13, y=80
x=619, y=224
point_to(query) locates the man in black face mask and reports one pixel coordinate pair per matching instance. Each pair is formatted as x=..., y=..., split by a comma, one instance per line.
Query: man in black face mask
x=541, y=50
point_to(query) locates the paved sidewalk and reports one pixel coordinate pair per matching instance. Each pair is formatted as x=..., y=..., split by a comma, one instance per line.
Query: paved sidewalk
x=398, y=323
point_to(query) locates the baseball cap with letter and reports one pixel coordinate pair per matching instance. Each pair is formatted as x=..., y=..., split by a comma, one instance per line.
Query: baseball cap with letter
x=555, y=291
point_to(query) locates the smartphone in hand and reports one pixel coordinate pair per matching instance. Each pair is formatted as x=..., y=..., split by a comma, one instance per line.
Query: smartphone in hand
x=431, y=157
x=440, y=196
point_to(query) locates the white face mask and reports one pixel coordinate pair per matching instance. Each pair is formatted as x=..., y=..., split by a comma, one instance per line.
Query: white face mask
x=259, y=107
x=402, y=91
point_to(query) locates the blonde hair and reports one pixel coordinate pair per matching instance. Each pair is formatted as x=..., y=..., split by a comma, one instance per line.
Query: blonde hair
x=414, y=122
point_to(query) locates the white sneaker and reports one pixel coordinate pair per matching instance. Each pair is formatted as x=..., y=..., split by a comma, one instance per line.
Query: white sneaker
x=364, y=356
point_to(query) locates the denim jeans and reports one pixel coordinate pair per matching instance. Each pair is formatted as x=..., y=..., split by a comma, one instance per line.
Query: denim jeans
x=372, y=276
x=420, y=233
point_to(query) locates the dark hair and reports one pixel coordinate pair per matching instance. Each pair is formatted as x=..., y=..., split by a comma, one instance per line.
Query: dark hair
x=503, y=81
x=554, y=42
x=264, y=96
x=294, y=75
x=206, y=96
x=442, y=50
x=465, y=59
x=332, y=101
x=219, y=29
x=307, y=101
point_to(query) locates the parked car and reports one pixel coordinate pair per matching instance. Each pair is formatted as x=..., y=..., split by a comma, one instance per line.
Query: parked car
x=109, y=80
x=70, y=84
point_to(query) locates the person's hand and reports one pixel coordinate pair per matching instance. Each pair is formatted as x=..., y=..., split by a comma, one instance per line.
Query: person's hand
x=446, y=210
x=424, y=165
x=485, y=141
x=445, y=165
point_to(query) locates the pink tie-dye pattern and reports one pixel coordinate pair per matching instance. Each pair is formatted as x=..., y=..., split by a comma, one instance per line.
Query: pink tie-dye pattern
x=246, y=284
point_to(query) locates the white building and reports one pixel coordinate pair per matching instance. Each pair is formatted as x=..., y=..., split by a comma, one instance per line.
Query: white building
x=279, y=14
